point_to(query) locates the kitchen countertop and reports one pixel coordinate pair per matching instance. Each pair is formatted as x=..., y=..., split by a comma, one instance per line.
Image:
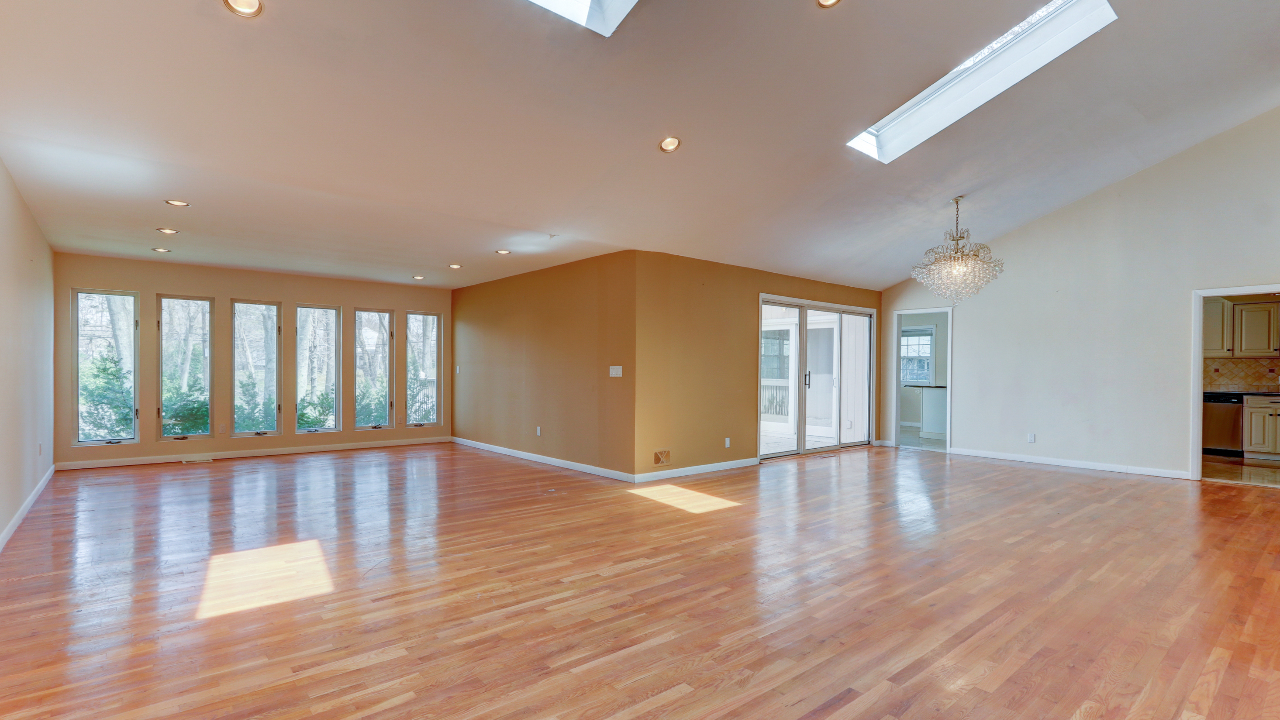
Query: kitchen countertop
x=1241, y=392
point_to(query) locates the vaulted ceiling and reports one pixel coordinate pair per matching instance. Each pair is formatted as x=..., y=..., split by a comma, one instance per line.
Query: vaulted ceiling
x=385, y=139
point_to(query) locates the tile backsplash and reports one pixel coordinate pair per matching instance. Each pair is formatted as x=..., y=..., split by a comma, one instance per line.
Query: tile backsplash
x=1242, y=374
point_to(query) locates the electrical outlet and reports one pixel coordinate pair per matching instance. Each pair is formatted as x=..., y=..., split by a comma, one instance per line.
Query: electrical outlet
x=726, y=442
x=615, y=371
x=1031, y=437
x=539, y=431
x=457, y=370
x=222, y=428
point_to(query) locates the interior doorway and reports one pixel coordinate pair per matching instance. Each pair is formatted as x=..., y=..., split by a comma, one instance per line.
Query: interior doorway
x=923, y=379
x=816, y=372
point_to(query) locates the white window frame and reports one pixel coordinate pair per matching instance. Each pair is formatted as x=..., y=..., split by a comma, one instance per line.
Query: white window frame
x=391, y=368
x=160, y=368
x=75, y=324
x=932, y=331
x=279, y=369
x=337, y=369
x=439, y=363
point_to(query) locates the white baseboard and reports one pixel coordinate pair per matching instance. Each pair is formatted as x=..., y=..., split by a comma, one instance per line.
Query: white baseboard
x=12, y=527
x=909, y=424
x=1084, y=465
x=230, y=454
x=612, y=474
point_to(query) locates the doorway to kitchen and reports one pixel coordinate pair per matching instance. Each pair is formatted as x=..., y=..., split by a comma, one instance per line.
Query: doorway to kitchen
x=816, y=385
x=923, y=379
x=1237, y=416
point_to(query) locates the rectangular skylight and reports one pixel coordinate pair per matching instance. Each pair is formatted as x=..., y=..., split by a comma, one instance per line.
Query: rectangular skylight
x=1049, y=32
x=603, y=16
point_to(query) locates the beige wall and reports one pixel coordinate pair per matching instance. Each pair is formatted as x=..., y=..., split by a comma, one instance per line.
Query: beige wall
x=698, y=344
x=152, y=279
x=26, y=355
x=1086, y=339
x=535, y=349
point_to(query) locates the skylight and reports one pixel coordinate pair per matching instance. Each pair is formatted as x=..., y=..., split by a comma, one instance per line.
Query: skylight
x=603, y=16
x=1049, y=32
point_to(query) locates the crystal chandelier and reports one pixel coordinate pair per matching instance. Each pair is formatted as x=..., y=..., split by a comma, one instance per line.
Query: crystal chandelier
x=957, y=269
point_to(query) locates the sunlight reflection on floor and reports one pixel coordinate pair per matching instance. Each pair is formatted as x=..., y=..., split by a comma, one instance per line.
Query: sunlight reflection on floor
x=256, y=578
x=685, y=499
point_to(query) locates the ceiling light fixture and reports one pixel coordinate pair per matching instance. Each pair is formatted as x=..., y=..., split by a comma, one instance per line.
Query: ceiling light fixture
x=177, y=203
x=456, y=267
x=957, y=268
x=244, y=8
x=419, y=277
x=160, y=249
x=504, y=252
x=1048, y=33
x=828, y=3
x=167, y=231
x=669, y=145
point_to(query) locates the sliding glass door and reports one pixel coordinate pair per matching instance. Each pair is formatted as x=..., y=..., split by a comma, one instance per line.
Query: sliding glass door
x=815, y=378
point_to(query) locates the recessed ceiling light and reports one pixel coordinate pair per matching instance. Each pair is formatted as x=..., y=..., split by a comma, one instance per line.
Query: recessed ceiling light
x=177, y=203
x=244, y=8
x=827, y=3
x=504, y=252
x=419, y=277
x=669, y=145
x=160, y=249
x=167, y=231
x=456, y=267
x=1048, y=33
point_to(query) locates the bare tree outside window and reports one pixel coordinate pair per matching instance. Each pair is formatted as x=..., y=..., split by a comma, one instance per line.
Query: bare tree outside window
x=373, y=368
x=184, y=367
x=421, y=373
x=256, y=349
x=105, y=331
x=317, y=368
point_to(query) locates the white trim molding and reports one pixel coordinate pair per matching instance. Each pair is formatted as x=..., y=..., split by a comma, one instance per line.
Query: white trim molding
x=233, y=454
x=18, y=517
x=1081, y=464
x=605, y=472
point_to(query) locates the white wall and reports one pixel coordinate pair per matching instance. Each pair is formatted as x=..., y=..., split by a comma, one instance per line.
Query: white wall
x=26, y=356
x=1086, y=339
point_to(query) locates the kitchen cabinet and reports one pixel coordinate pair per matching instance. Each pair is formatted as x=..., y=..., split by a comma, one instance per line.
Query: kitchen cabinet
x=1257, y=330
x=1219, y=323
x=1261, y=420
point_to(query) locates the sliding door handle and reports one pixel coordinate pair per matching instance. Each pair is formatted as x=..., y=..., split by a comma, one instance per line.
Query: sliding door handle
x=806, y=378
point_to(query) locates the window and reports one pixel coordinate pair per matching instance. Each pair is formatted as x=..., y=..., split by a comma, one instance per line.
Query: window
x=184, y=367
x=106, y=367
x=1048, y=33
x=917, y=356
x=373, y=369
x=421, y=374
x=775, y=354
x=257, y=372
x=317, y=369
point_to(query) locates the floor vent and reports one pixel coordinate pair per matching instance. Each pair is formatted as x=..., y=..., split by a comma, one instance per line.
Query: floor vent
x=661, y=457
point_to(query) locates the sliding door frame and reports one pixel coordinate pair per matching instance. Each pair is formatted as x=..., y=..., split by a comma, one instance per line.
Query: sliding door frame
x=802, y=351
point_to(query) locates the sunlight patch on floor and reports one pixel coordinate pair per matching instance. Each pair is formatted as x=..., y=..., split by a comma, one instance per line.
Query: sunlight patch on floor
x=685, y=499
x=252, y=579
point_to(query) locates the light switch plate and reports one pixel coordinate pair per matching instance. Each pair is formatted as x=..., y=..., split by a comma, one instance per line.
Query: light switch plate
x=615, y=371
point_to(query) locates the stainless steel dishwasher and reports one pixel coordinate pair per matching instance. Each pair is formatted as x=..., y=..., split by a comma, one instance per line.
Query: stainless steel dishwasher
x=1224, y=424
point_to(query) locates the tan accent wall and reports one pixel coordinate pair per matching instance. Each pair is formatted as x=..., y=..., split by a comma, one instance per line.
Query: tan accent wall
x=26, y=357
x=153, y=279
x=698, y=345
x=535, y=350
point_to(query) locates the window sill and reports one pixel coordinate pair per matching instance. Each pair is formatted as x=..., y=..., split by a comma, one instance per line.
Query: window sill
x=104, y=443
x=273, y=433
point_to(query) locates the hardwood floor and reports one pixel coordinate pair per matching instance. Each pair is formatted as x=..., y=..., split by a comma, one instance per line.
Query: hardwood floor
x=873, y=583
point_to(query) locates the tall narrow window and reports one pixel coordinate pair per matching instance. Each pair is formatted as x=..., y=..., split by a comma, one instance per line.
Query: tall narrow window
x=184, y=367
x=257, y=347
x=421, y=373
x=373, y=369
x=106, y=367
x=317, y=369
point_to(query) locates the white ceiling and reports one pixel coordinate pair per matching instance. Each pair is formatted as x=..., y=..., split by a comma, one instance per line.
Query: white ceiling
x=385, y=139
